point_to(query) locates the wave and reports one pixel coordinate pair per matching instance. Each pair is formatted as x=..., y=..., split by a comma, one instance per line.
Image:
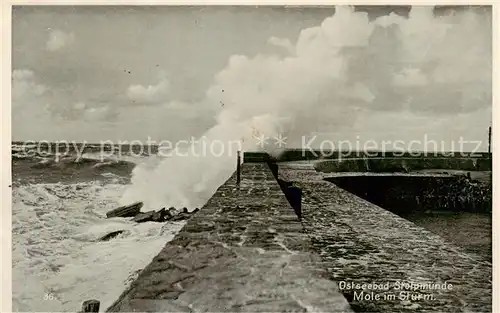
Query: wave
x=96, y=163
x=56, y=253
x=69, y=169
x=48, y=148
x=79, y=162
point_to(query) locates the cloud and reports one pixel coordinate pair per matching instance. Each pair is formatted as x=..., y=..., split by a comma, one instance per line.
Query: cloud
x=79, y=106
x=91, y=112
x=29, y=106
x=283, y=43
x=350, y=61
x=25, y=88
x=36, y=108
x=389, y=77
x=22, y=74
x=58, y=39
x=96, y=113
x=151, y=94
x=42, y=112
x=410, y=77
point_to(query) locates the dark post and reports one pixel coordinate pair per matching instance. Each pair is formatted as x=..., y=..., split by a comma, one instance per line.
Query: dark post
x=489, y=140
x=274, y=168
x=238, y=168
x=294, y=195
x=91, y=306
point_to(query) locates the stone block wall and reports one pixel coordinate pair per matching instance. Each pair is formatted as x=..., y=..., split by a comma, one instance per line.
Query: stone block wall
x=410, y=193
x=290, y=155
x=402, y=165
x=244, y=251
x=361, y=243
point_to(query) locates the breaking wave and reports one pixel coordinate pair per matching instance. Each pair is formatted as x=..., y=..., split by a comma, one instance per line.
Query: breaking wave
x=58, y=261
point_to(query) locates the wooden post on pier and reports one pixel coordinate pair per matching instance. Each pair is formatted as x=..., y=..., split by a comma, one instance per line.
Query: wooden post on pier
x=91, y=306
x=238, y=168
x=489, y=140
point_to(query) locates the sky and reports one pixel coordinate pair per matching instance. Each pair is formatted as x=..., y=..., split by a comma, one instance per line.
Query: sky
x=168, y=73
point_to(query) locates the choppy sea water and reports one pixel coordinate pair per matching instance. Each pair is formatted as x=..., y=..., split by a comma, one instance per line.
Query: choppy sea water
x=58, y=215
x=472, y=231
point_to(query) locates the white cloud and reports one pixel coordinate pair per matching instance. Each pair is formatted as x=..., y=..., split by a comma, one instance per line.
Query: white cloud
x=90, y=112
x=283, y=43
x=79, y=106
x=36, y=117
x=439, y=65
x=410, y=77
x=58, y=39
x=30, y=110
x=35, y=114
x=149, y=94
x=22, y=74
x=96, y=113
x=351, y=61
x=25, y=88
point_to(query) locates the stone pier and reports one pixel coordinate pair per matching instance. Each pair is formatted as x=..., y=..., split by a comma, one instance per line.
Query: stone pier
x=247, y=250
x=362, y=243
x=244, y=251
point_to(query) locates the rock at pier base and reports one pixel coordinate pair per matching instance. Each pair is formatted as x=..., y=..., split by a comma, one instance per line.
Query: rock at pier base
x=151, y=216
x=91, y=306
x=163, y=215
x=126, y=211
x=160, y=215
x=171, y=212
x=111, y=235
x=144, y=217
x=180, y=217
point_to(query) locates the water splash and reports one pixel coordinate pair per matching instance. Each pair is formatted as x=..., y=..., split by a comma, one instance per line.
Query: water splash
x=332, y=79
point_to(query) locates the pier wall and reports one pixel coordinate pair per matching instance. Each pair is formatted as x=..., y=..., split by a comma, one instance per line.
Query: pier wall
x=363, y=243
x=248, y=250
x=244, y=251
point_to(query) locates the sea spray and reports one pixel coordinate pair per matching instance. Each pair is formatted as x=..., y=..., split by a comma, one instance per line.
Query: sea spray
x=334, y=79
x=189, y=176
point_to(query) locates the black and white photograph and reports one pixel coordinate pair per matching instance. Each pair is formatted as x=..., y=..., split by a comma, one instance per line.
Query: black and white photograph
x=251, y=158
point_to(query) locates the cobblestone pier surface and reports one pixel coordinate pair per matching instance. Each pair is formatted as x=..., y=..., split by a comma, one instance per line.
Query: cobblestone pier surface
x=360, y=242
x=244, y=251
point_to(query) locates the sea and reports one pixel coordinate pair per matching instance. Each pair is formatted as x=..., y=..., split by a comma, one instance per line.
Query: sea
x=60, y=197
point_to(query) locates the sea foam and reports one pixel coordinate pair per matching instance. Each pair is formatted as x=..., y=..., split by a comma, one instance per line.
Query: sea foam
x=58, y=262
